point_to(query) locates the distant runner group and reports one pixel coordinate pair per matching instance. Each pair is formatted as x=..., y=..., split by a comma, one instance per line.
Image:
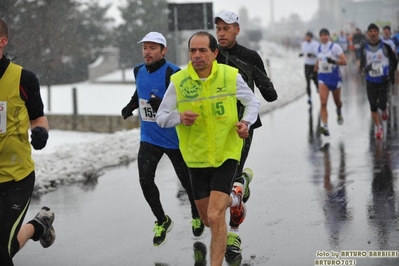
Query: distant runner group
x=376, y=61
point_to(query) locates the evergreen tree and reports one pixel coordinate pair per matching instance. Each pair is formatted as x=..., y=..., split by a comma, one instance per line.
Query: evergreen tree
x=141, y=17
x=55, y=39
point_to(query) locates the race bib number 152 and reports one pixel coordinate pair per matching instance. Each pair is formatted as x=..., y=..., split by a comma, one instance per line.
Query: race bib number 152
x=3, y=117
x=146, y=112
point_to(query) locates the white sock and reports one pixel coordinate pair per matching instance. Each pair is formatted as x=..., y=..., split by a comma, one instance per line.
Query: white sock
x=236, y=230
x=235, y=199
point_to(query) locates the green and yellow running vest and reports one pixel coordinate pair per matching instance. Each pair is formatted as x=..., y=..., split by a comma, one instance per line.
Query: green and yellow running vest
x=15, y=152
x=212, y=139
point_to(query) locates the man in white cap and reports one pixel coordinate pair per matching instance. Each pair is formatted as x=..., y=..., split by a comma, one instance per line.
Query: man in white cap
x=251, y=67
x=152, y=79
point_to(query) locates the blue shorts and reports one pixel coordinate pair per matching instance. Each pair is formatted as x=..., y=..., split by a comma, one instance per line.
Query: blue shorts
x=332, y=85
x=332, y=80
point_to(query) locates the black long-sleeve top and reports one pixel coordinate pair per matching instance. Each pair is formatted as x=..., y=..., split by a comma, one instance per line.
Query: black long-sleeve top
x=251, y=67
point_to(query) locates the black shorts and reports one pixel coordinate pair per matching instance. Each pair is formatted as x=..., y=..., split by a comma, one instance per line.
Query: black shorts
x=204, y=180
x=14, y=202
x=377, y=94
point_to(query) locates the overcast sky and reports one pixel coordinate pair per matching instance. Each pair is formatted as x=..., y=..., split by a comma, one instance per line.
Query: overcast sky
x=256, y=8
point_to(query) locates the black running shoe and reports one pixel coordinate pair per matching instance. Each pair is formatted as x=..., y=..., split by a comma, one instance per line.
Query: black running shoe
x=46, y=218
x=197, y=226
x=161, y=230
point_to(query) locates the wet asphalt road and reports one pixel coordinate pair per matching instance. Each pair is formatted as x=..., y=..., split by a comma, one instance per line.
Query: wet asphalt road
x=310, y=196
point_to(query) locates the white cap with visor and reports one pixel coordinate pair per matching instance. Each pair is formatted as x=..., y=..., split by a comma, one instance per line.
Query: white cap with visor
x=154, y=37
x=228, y=16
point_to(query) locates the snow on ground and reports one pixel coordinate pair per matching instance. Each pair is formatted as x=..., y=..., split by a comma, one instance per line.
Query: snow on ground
x=71, y=157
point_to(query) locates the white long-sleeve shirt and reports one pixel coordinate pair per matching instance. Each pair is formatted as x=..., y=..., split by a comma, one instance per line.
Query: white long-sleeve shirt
x=168, y=116
x=308, y=50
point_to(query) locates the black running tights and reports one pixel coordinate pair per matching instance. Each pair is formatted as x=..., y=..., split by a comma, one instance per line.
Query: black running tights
x=148, y=158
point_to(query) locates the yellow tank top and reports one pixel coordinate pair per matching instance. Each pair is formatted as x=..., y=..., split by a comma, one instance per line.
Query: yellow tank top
x=213, y=138
x=15, y=151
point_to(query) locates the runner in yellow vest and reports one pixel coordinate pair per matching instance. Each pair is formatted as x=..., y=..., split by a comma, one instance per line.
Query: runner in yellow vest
x=21, y=107
x=201, y=103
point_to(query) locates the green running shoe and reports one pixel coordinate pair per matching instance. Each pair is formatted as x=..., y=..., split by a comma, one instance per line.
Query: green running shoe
x=233, y=248
x=324, y=131
x=197, y=226
x=161, y=230
x=248, y=175
x=199, y=254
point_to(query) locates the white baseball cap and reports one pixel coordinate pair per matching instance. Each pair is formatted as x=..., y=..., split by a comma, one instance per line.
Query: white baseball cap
x=154, y=37
x=228, y=16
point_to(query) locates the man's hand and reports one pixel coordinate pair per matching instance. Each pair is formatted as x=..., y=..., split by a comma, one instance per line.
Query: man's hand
x=129, y=108
x=270, y=94
x=242, y=130
x=367, y=68
x=155, y=102
x=301, y=54
x=39, y=138
x=127, y=111
x=331, y=61
x=188, y=118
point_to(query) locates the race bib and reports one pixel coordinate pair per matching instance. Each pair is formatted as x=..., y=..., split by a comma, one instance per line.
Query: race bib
x=3, y=117
x=325, y=67
x=376, y=70
x=146, y=111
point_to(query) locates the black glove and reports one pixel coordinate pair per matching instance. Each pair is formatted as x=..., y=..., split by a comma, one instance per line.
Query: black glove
x=367, y=68
x=331, y=61
x=270, y=94
x=310, y=55
x=39, y=138
x=301, y=54
x=128, y=109
x=155, y=102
